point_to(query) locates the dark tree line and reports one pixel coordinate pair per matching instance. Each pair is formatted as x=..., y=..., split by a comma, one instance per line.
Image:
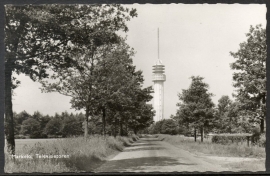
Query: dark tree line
x=43, y=126
x=64, y=124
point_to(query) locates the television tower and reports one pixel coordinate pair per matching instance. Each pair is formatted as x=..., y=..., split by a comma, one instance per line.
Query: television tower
x=158, y=78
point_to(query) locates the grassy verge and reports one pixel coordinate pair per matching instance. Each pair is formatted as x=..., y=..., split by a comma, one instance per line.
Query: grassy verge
x=247, y=166
x=83, y=154
x=207, y=147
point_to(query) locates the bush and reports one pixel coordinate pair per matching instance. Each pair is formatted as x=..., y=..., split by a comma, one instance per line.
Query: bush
x=227, y=139
x=169, y=126
x=20, y=137
x=262, y=140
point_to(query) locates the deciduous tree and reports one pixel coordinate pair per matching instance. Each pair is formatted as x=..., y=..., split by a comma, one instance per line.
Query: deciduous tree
x=196, y=106
x=31, y=127
x=250, y=75
x=53, y=127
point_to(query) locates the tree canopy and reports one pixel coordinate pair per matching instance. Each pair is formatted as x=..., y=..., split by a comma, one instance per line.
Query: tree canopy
x=196, y=106
x=250, y=76
x=42, y=39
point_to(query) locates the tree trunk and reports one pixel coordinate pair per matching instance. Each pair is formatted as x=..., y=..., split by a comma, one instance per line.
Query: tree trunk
x=103, y=122
x=121, y=127
x=264, y=119
x=86, y=122
x=135, y=131
x=202, y=134
x=262, y=125
x=114, y=124
x=9, y=122
x=195, y=135
x=126, y=128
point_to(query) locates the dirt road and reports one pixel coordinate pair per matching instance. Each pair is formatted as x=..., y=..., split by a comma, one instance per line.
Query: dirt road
x=153, y=155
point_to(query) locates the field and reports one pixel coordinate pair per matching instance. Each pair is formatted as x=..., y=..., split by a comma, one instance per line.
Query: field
x=20, y=143
x=236, y=150
x=64, y=155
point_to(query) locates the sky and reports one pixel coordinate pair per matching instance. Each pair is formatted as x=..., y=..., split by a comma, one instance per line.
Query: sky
x=194, y=40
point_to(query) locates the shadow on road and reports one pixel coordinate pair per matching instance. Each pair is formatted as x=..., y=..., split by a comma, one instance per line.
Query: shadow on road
x=129, y=165
x=140, y=144
x=143, y=148
x=150, y=139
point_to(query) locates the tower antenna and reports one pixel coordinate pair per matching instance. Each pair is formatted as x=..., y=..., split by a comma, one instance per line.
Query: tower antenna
x=158, y=43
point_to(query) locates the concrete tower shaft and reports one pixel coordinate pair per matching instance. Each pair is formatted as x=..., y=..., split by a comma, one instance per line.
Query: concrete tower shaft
x=158, y=78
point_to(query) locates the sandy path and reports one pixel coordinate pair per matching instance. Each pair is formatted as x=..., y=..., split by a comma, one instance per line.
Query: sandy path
x=152, y=155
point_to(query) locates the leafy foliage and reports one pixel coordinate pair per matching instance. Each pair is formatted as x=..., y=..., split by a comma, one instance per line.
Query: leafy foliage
x=71, y=127
x=31, y=127
x=42, y=39
x=228, y=139
x=250, y=75
x=169, y=126
x=53, y=127
x=165, y=126
x=196, y=106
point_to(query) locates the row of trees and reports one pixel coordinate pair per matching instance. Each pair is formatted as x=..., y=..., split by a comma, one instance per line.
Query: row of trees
x=76, y=50
x=43, y=126
x=64, y=125
x=197, y=112
x=106, y=83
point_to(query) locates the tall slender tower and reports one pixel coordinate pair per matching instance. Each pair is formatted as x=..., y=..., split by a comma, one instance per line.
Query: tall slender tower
x=158, y=78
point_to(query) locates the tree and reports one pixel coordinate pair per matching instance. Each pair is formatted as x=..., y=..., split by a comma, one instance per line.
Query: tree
x=71, y=126
x=196, y=106
x=115, y=82
x=53, y=127
x=43, y=121
x=169, y=126
x=41, y=38
x=18, y=119
x=95, y=84
x=156, y=127
x=222, y=120
x=31, y=127
x=223, y=105
x=250, y=78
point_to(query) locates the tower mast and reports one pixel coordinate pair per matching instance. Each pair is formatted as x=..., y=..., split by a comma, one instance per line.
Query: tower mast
x=158, y=42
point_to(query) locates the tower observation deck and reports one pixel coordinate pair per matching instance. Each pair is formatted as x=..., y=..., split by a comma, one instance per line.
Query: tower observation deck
x=159, y=78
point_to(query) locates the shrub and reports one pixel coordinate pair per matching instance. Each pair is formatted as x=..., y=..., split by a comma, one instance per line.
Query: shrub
x=227, y=139
x=19, y=136
x=31, y=127
x=262, y=140
x=169, y=126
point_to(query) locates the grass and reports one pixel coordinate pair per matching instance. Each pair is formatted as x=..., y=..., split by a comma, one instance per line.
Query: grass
x=206, y=147
x=84, y=154
x=247, y=166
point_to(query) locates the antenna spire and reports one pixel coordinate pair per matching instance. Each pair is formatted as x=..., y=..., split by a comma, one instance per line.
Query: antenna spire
x=158, y=43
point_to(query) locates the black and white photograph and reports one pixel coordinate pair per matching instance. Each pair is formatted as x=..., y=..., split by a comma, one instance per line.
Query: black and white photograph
x=105, y=88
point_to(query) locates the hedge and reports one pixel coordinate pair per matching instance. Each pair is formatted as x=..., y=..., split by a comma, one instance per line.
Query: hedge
x=228, y=139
